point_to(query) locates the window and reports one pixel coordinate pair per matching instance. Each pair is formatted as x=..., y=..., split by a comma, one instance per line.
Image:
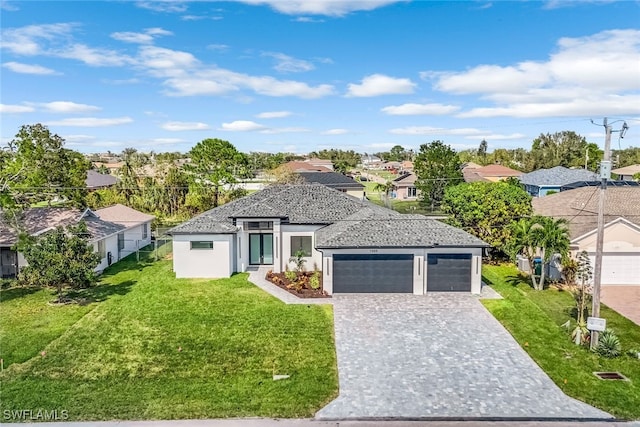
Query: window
x=412, y=192
x=301, y=243
x=259, y=225
x=120, y=241
x=145, y=230
x=201, y=244
x=102, y=250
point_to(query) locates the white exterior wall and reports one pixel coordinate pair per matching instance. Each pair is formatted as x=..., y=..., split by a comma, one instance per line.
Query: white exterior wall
x=419, y=265
x=111, y=245
x=300, y=230
x=358, y=194
x=133, y=239
x=203, y=263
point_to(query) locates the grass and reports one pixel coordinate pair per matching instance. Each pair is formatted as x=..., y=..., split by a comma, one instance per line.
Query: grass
x=155, y=347
x=534, y=319
x=402, y=206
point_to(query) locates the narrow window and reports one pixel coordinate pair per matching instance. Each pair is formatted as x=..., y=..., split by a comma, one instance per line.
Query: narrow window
x=201, y=244
x=120, y=241
x=102, y=251
x=145, y=230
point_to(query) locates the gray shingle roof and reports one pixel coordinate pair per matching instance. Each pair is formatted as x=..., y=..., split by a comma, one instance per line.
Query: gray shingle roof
x=99, y=180
x=330, y=179
x=351, y=222
x=558, y=175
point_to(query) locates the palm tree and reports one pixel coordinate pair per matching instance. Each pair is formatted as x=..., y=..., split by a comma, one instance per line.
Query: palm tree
x=385, y=189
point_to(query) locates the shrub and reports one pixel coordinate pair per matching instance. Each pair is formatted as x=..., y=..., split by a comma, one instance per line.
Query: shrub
x=314, y=281
x=290, y=275
x=609, y=345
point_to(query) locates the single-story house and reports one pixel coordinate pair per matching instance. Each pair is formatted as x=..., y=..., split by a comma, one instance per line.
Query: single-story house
x=404, y=186
x=299, y=166
x=392, y=166
x=336, y=181
x=407, y=166
x=116, y=231
x=542, y=181
x=627, y=173
x=492, y=173
x=96, y=180
x=621, y=253
x=359, y=247
x=325, y=163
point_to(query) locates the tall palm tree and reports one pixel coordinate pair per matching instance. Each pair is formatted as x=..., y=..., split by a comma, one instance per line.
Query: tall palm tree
x=385, y=189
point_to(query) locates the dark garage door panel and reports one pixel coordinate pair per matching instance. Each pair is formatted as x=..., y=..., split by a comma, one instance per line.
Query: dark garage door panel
x=373, y=273
x=449, y=272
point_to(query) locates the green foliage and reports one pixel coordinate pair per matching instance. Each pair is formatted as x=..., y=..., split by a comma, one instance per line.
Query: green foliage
x=62, y=258
x=314, y=281
x=35, y=167
x=397, y=154
x=290, y=275
x=342, y=159
x=609, y=345
x=626, y=157
x=565, y=148
x=299, y=260
x=437, y=167
x=384, y=189
x=216, y=163
x=486, y=209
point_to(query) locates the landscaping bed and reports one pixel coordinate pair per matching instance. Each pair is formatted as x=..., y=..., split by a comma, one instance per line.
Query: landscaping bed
x=307, y=284
x=537, y=319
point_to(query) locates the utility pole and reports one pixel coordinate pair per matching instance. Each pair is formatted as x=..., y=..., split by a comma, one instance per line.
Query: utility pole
x=605, y=174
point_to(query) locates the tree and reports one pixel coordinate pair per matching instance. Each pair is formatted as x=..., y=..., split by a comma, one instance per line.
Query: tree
x=539, y=235
x=385, y=189
x=565, y=148
x=62, y=258
x=35, y=167
x=437, y=167
x=486, y=209
x=342, y=159
x=397, y=153
x=482, y=151
x=217, y=164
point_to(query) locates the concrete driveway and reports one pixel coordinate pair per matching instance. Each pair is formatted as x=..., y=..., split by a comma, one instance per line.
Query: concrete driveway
x=623, y=299
x=437, y=356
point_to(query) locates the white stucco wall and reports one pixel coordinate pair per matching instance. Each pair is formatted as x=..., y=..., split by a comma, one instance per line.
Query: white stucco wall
x=111, y=245
x=133, y=239
x=203, y=263
x=300, y=230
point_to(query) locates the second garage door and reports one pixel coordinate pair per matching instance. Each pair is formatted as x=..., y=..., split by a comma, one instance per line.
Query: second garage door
x=449, y=273
x=372, y=273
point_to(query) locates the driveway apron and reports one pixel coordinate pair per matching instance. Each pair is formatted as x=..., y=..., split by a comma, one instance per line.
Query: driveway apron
x=437, y=356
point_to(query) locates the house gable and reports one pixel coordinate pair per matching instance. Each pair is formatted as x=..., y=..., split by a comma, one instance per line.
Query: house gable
x=620, y=235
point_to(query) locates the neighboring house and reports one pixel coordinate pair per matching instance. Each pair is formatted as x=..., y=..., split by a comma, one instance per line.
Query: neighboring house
x=335, y=180
x=491, y=173
x=116, y=232
x=314, y=161
x=96, y=181
x=407, y=166
x=360, y=247
x=626, y=173
x=369, y=160
x=621, y=259
x=111, y=167
x=404, y=186
x=538, y=183
x=391, y=166
x=299, y=166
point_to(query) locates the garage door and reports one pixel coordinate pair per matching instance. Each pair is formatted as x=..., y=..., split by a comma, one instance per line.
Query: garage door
x=449, y=273
x=619, y=269
x=372, y=273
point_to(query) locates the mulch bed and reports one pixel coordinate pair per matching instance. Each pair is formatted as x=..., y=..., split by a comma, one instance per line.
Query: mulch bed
x=280, y=280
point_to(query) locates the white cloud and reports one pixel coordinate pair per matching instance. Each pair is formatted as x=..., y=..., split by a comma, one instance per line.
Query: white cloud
x=96, y=57
x=145, y=37
x=274, y=114
x=592, y=75
x=428, y=130
x=218, y=46
x=18, y=67
x=182, y=126
x=420, y=109
x=379, y=84
x=321, y=7
x=164, y=6
x=289, y=64
x=166, y=62
x=121, y=81
x=496, y=136
x=15, y=109
x=9, y=7
x=78, y=138
x=28, y=40
x=335, y=132
x=308, y=19
x=68, y=107
x=242, y=126
x=91, y=122
x=272, y=131
x=167, y=140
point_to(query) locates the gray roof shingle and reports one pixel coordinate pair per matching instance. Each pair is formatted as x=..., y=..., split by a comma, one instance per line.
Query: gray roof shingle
x=350, y=222
x=330, y=179
x=98, y=180
x=558, y=175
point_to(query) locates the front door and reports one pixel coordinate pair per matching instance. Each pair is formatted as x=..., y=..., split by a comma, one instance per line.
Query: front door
x=260, y=249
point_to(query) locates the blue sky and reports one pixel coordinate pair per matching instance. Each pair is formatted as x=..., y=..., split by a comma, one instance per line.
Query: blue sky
x=305, y=75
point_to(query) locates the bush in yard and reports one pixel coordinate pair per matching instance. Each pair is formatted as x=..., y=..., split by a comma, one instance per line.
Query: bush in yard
x=314, y=281
x=62, y=258
x=298, y=260
x=290, y=275
x=609, y=345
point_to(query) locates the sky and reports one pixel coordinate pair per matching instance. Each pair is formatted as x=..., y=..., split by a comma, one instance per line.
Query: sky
x=299, y=76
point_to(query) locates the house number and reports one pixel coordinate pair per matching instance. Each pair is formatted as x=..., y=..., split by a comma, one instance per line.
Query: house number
x=373, y=251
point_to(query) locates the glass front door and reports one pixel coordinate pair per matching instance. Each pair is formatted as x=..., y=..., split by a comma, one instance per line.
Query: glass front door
x=260, y=249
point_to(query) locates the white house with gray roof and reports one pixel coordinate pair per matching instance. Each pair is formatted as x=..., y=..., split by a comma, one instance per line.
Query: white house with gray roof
x=360, y=247
x=542, y=181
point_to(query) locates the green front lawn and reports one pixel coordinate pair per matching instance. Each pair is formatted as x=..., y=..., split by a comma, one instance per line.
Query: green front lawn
x=534, y=319
x=156, y=347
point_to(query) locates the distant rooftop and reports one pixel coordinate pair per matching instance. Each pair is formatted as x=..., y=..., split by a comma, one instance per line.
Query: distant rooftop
x=557, y=176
